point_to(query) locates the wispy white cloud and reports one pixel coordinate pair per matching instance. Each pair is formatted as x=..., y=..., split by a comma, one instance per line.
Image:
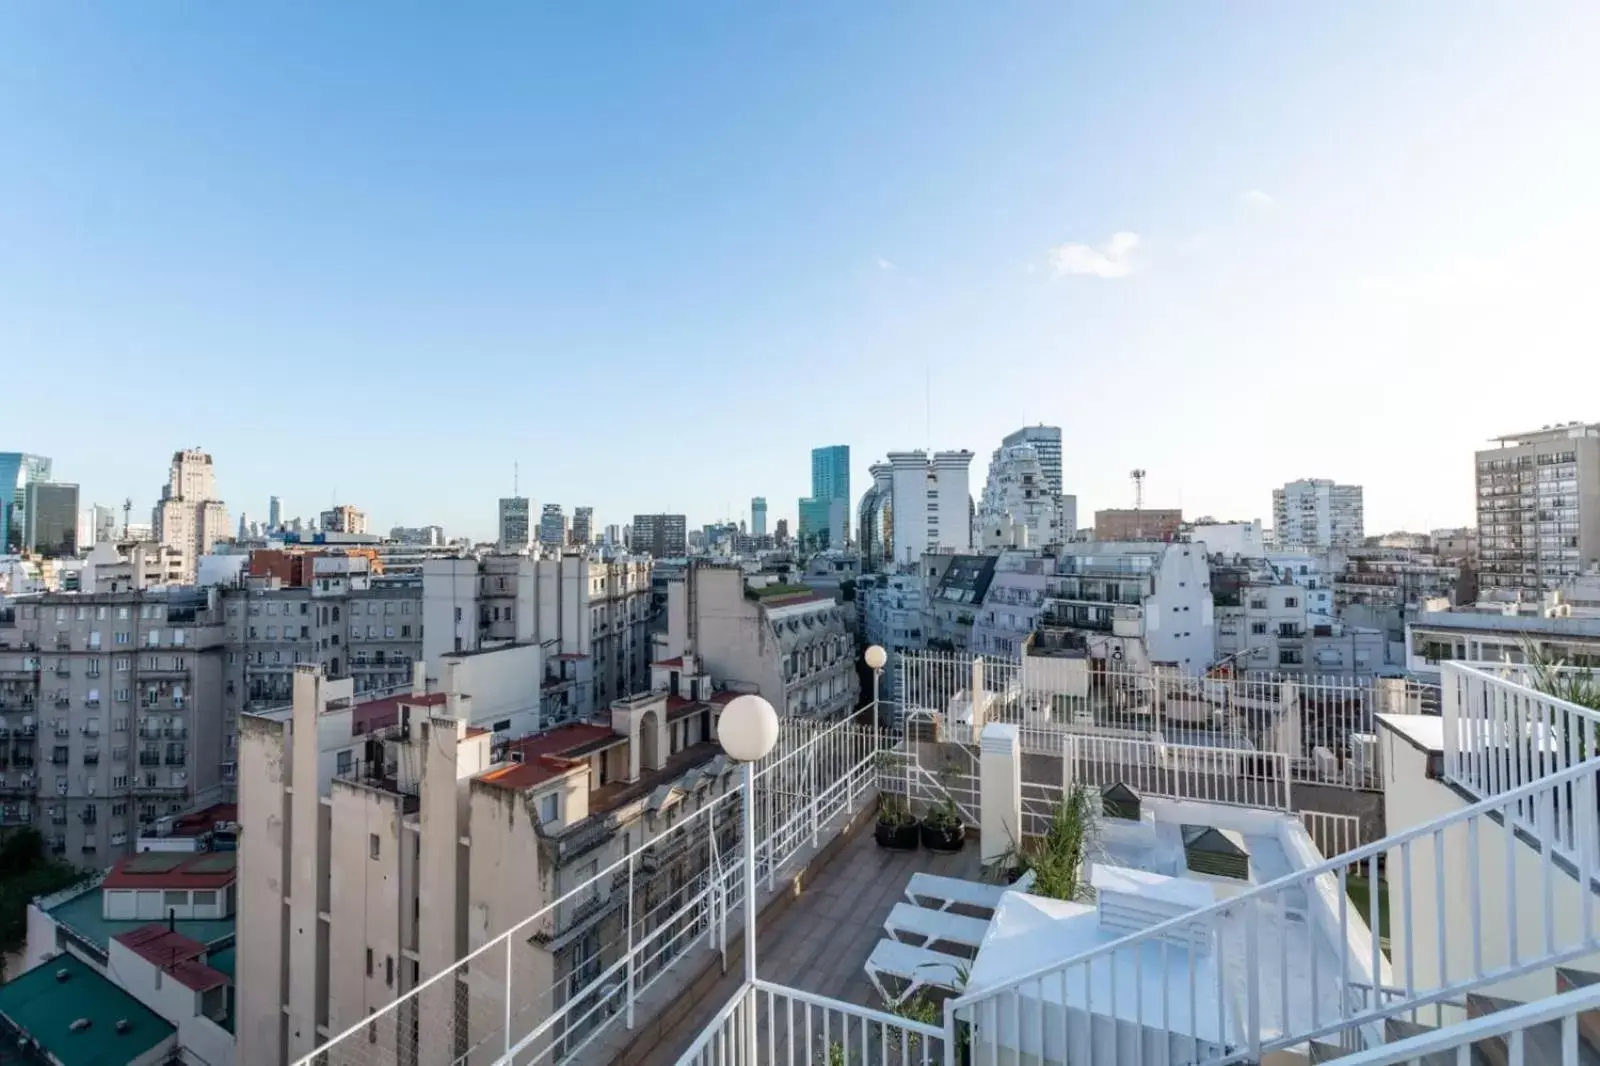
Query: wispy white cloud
x=884, y=264
x=1114, y=259
x=1257, y=201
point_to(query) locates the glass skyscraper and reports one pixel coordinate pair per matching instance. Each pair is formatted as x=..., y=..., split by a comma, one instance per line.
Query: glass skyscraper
x=17, y=469
x=825, y=514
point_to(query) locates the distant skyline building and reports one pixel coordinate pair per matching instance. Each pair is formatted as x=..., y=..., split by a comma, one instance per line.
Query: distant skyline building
x=930, y=503
x=613, y=537
x=103, y=524
x=1315, y=513
x=17, y=469
x=553, y=526
x=583, y=526
x=343, y=518
x=274, y=512
x=189, y=518
x=663, y=536
x=51, y=519
x=780, y=532
x=825, y=514
x=1046, y=441
x=515, y=533
x=758, y=516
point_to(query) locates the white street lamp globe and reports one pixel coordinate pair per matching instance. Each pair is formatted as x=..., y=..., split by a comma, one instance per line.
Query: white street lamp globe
x=748, y=728
x=876, y=657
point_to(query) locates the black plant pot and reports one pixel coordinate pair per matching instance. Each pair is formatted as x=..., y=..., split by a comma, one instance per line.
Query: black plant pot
x=943, y=838
x=896, y=836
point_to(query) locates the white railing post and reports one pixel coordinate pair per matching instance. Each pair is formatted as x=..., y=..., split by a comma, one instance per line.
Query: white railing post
x=630, y=939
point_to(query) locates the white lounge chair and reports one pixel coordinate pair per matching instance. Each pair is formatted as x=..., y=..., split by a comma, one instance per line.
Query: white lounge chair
x=918, y=968
x=947, y=892
x=934, y=927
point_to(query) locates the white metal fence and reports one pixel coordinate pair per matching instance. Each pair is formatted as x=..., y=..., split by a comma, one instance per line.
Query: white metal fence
x=1499, y=734
x=1320, y=722
x=549, y=986
x=1471, y=900
x=770, y=1025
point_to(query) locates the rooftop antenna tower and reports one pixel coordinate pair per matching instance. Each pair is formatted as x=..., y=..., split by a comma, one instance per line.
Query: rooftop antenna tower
x=127, y=515
x=1138, y=489
x=516, y=478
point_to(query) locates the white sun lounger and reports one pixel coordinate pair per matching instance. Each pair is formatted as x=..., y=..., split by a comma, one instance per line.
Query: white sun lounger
x=934, y=927
x=947, y=892
x=918, y=968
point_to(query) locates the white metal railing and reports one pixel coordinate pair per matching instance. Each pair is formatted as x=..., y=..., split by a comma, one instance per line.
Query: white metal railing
x=766, y=1024
x=1231, y=776
x=1513, y=1027
x=1500, y=734
x=556, y=981
x=1333, y=834
x=1471, y=900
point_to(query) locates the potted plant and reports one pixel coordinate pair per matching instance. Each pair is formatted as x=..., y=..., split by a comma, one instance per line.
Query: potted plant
x=942, y=829
x=1057, y=858
x=897, y=826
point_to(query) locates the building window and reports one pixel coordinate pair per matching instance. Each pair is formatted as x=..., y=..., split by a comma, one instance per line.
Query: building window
x=343, y=762
x=175, y=898
x=1291, y=601
x=550, y=807
x=373, y=847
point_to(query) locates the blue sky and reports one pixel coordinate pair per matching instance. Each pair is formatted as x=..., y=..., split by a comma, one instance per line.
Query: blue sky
x=656, y=252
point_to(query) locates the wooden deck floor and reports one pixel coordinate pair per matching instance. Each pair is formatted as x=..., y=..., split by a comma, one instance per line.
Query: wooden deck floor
x=822, y=941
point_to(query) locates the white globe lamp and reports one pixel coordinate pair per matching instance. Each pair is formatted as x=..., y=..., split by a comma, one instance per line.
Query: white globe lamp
x=876, y=657
x=748, y=728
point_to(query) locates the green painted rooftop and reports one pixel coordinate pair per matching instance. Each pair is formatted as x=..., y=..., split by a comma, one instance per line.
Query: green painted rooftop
x=82, y=914
x=43, y=1005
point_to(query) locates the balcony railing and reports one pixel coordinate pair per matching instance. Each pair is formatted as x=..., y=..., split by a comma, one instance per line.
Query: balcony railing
x=765, y=1024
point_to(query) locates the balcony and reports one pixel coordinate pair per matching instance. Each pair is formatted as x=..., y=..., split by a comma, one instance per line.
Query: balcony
x=19, y=788
x=584, y=837
x=556, y=933
x=91, y=758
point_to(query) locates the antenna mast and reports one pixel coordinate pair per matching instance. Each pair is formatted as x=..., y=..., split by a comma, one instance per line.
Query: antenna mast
x=1138, y=489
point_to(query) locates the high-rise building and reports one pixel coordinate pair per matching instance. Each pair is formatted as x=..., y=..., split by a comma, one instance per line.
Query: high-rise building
x=244, y=526
x=1316, y=513
x=825, y=514
x=1018, y=508
x=613, y=537
x=274, y=513
x=662, y=536
x=516, y=524
x=17, y=469
x=50, y=519
x=343, y=518
x=583, y=526
x=1046, y=441
x=758, y=516
x=780, y=532
x=1539, y=507
x=103, y=524
x=553, y=526
x=189, y=518
x=930, y=503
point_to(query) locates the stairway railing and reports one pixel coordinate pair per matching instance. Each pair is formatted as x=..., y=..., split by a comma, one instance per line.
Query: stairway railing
x=1292, y=960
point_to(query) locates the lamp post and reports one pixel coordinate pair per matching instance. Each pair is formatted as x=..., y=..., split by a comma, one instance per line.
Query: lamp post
x=875, y=658
x=748, y=730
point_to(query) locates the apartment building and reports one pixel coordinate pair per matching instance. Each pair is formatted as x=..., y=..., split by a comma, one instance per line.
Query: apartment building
x=660, y=536
x=1046, y=444
x=109, y=717
x=1018, y=509
x=788, y=642
x=1539, y=507
x=189, y=518
x=1231, y=540
x=1273, y=626
x=1136, y=604
x=1144, y=524
x=588, y=614
x=1393, y=577
x=929, y=504
x=1010, y=608
x=1316, y=513
x=343, y=518
x=406, y=837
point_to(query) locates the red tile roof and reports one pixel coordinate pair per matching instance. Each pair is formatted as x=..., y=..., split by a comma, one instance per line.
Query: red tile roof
x=794, y=599
x=177, y=955
x=545, y=756
x=175, y=870
x=380, y=714
x=156, y=943
x=673, y=663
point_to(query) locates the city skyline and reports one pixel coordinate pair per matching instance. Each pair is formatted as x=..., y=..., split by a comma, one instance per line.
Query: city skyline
x=928, y=235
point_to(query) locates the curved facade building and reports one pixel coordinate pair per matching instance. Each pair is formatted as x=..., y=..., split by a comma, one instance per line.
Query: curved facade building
x=874, y=522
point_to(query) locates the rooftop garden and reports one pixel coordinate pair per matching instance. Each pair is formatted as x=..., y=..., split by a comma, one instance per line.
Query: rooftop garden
x=768, y=592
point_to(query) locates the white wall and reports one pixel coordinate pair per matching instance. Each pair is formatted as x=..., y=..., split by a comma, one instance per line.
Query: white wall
x=503, y=683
